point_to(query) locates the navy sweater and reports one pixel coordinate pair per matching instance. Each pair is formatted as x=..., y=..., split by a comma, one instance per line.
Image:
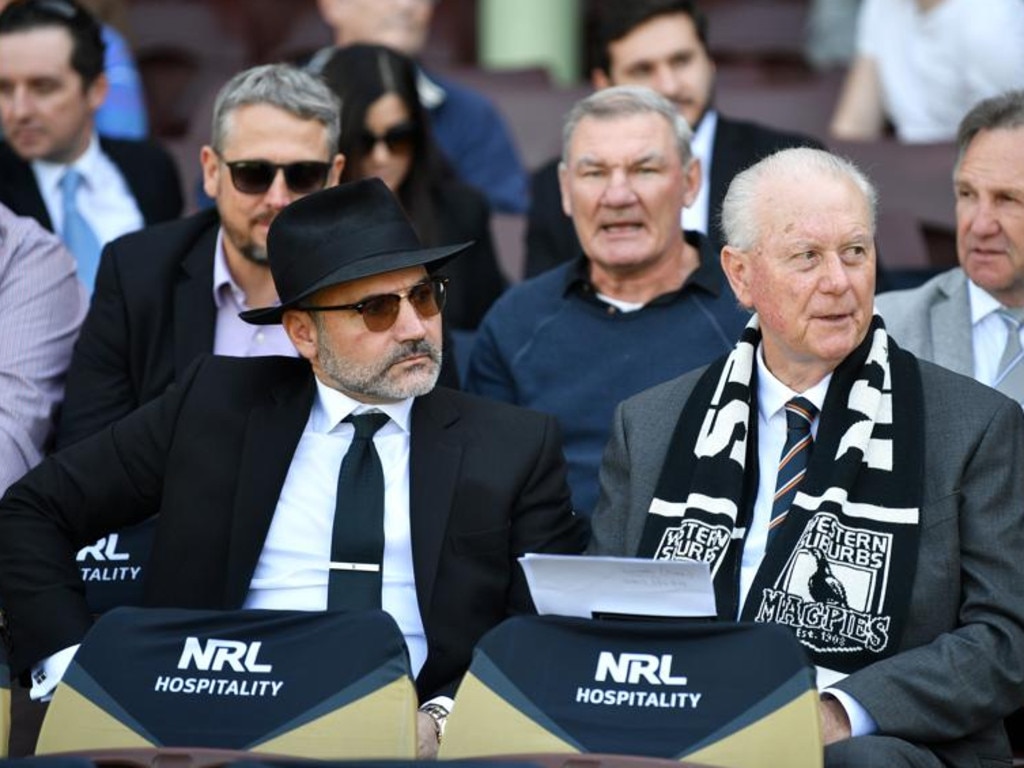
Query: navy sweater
x=550, y=344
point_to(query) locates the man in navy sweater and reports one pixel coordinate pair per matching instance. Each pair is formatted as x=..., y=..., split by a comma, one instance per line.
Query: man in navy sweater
x=646, y=301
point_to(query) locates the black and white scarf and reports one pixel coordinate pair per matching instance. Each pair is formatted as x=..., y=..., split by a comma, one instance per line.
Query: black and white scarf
x=840, y=569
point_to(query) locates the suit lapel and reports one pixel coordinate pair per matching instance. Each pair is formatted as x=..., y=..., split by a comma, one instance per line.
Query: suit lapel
x=435, y=458
x=195, y=316
x=727, y=160
x=952, y=343
x=271, y=436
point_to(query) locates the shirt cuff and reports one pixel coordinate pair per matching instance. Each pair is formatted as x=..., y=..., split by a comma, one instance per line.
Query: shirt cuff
x=50, y=671
x=445, y=701
x=861, y=723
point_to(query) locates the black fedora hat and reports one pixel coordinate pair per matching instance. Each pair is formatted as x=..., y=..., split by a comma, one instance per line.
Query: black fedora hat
x=339, y=234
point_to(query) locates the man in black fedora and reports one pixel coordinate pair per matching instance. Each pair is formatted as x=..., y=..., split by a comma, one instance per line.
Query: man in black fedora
x=256, y=466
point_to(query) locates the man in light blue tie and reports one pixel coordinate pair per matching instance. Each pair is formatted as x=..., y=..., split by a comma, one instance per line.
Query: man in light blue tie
x=969, y=319
x=78, y=234
x=53, y=165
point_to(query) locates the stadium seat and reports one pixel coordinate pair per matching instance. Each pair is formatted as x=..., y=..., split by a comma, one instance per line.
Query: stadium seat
x=685, y=691
x=322, y=685
x=114, y=566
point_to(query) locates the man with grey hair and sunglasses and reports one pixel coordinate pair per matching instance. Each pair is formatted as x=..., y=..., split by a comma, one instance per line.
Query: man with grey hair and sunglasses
x=970, y=319
x=169, y=293
x=866, y=499
x=645, y=302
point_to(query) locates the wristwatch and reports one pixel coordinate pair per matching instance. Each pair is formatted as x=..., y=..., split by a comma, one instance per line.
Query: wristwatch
x=438, y=714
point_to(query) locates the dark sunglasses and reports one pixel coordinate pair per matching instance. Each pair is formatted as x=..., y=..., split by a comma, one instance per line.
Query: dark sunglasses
x=380, y=312
x=254, y=177
x=398, y=138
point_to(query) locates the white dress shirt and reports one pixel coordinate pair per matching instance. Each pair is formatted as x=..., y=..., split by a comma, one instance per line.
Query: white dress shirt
x=772, y=396
x=103, y=198
x=292, y=570
x=702, y=145
x=989, y=334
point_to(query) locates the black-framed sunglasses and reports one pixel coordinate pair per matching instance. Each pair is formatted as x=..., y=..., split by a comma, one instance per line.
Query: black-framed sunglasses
x=398, y=139
x=380, y=312
x=254, y=177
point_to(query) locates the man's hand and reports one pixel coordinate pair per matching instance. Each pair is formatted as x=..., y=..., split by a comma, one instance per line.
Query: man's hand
x=835, y=725
x=426, y=737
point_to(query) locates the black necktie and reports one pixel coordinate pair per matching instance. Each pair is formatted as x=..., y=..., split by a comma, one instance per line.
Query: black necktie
x=357, y=542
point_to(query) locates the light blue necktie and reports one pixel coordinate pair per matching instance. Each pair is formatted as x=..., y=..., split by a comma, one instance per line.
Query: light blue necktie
x=1010, y=378
x=78, y=236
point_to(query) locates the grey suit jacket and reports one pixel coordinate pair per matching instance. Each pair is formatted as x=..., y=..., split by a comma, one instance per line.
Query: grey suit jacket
x=933, y=320
x=961, y=665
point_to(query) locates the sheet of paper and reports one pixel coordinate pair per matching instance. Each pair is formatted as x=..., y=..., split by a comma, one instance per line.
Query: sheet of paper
x=574, y=585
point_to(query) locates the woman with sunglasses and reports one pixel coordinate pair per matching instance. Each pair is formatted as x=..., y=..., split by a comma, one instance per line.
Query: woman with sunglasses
x=385, y=132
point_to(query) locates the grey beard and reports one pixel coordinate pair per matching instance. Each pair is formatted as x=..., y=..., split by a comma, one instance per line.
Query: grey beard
x=373, y=380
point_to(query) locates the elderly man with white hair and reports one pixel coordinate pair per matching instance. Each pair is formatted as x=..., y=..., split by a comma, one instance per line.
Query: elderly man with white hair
x=872, y=500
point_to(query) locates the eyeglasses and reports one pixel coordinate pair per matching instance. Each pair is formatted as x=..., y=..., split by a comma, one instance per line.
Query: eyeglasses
x=254, y=177
x=380, y=312
x=398, y=139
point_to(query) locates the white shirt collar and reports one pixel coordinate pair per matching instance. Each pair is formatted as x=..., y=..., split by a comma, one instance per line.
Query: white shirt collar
x=331, y=406
x=49, y=174
x=431, y=94
x=698, y=216
x=704, y=137
x=982, y=303
x=772, y=394
x=222, y=275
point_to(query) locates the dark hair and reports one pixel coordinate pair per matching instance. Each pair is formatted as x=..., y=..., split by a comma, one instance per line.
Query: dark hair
x=1005, y=111
x=360, y=74
x=612, y=20
x=87, y=46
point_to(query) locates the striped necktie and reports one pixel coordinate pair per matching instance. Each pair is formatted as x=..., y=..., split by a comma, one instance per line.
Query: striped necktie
x=78, y=236
x=800, y=413
x=357, y=546
x=1010, y=377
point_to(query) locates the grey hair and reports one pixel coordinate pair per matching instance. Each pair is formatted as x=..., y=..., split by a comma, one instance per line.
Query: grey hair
x=740, y=219
x=1005, y=111
x=626, y=101
x=278, y=85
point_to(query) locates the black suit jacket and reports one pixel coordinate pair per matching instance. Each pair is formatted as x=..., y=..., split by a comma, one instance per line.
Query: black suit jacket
x=149, y=171
x=152, y=314
x=551, y=238
x=487, y=483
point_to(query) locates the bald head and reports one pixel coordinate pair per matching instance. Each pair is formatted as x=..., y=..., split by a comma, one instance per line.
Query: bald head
x=800, y=230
